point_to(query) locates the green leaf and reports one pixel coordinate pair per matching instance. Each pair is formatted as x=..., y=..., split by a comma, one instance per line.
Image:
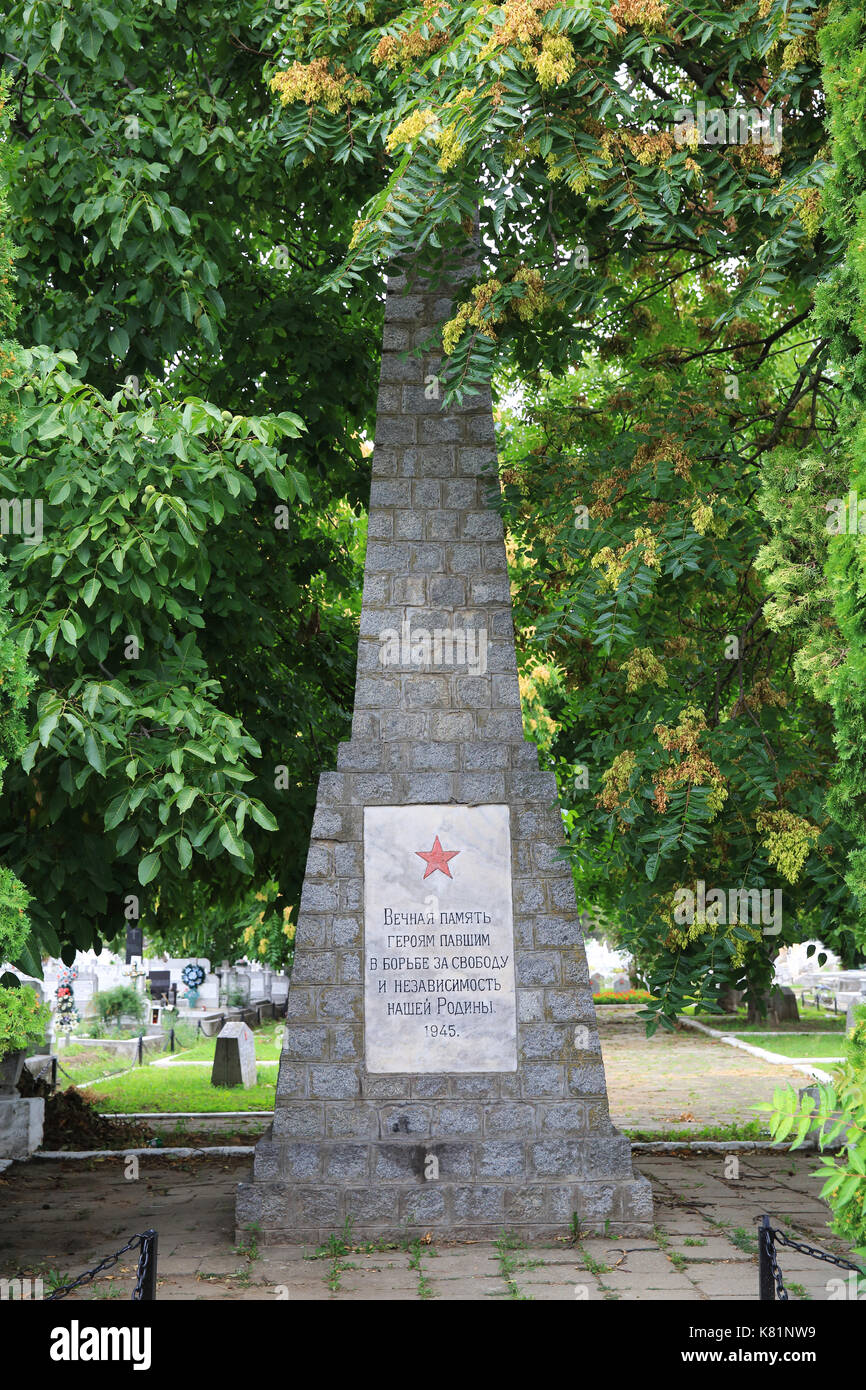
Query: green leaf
x=148, y=868
x=47, y=725
x=93, y=752
x=29, y=755
x=301, y=486
x=199, y=751
x=263, y=816
x=118, y=341
x=180, y=220
x=90, y=590
x=116, y=811
x=126, y=839
x=846, y=1192
x=230, y=840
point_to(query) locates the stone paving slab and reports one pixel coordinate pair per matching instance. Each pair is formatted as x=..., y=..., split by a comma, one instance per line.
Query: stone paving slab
x=711, y=1248
x=66, y=1217
x=451, y=1264
x=468, y=1290
x=371, y=1286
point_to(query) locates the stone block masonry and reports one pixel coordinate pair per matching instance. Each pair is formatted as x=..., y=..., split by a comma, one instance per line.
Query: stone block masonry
x=437, y=727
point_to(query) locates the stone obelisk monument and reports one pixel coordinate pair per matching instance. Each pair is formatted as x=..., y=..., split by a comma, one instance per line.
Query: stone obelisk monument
x=441, y=1068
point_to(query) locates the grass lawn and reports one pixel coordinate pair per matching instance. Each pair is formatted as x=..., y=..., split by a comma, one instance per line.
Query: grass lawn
x=797, y=1044
x=86, y=1064
x=752, y=1129
x=268, y=1043
x=180, y=1088
x=811, y=1021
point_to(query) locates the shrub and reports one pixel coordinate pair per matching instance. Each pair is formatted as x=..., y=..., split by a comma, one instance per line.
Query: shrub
x=111, y=1004
x=839, y=1107
x=22, y=1019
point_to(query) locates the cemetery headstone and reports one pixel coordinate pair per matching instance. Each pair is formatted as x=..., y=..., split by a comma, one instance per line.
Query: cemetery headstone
x=83, y=990
x=134, y=943
x=441, y=1068
x=234, y=1062
x=21, y=1125
x=160, y=983
x=783, y=1006
x=279, y=989
x=209, y=993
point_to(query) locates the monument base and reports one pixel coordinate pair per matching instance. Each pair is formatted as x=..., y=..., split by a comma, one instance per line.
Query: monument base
x=479, y=1191
x=463, y=1155
x=21, y=1125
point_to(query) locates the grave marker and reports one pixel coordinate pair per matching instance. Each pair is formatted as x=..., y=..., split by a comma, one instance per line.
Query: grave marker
x=234, y=1062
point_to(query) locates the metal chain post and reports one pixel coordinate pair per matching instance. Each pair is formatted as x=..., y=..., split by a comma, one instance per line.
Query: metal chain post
x=771, y=1286
x=145, y=1284
x=146, y=1277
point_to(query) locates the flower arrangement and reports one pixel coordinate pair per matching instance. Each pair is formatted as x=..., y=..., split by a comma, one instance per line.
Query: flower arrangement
x=193, y=976
x=67, y=1013
x=622, y=996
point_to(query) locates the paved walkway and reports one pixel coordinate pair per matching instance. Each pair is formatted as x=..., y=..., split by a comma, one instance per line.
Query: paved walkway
x=683, y=1079
x=65, y=1218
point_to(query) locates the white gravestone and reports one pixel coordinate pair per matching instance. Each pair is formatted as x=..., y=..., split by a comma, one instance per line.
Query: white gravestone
x=83, y=990
x=439, y=940
x=234, y=1062
x=209, y=992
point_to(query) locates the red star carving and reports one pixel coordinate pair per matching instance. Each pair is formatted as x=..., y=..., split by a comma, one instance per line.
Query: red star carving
x=437, y=858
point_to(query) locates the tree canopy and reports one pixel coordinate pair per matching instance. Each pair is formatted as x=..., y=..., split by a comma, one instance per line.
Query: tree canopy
x=669, y=301
x=565, y=126
x=191, y=603
x=660, y=200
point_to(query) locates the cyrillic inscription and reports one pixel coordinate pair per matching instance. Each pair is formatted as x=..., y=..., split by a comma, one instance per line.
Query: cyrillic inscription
x=439, y=999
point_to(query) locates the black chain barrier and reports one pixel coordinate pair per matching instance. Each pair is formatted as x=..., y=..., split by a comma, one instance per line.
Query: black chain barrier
x=771, y=1286
x=145, y=1282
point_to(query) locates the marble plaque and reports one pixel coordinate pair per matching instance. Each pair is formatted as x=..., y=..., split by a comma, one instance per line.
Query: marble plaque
x=438, y=940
